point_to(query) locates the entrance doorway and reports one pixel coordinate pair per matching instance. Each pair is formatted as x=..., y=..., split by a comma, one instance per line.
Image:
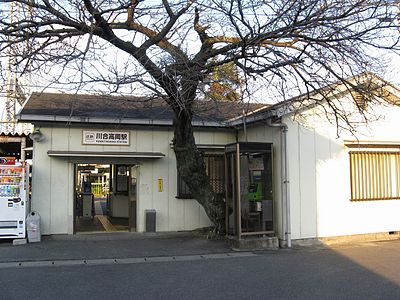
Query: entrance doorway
x=105, y=198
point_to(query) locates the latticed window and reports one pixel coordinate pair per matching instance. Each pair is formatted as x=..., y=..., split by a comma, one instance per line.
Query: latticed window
x=215, y=168
x=374, y=175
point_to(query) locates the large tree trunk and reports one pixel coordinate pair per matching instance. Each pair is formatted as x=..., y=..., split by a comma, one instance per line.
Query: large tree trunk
x=191, y=168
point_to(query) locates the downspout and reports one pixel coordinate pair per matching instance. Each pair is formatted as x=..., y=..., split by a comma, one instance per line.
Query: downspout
x=285, y=181
x=23, y=146
x=244, y=125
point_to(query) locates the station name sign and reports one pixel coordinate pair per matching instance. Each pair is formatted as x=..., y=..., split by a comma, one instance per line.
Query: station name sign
x=104, y=137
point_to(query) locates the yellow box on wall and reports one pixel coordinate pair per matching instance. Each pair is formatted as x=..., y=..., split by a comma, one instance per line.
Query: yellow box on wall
x=160, y=184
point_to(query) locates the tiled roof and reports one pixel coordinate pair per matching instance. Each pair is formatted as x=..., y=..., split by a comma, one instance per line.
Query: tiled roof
x=81, y=106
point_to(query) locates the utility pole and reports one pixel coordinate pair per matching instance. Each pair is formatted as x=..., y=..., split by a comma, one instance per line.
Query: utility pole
x=14, y=92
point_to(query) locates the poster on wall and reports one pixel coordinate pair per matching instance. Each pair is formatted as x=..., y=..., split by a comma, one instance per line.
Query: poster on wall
x=256, y=164
x=105, y=137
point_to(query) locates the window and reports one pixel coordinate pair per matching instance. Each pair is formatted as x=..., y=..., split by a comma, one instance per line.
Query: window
x=374, y=175
x=215, y=168
x=122, y=178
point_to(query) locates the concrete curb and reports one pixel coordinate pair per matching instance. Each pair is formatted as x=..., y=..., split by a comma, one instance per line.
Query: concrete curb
x=121, y=261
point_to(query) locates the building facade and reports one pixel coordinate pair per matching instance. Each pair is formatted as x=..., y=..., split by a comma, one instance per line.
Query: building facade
x=326, y=181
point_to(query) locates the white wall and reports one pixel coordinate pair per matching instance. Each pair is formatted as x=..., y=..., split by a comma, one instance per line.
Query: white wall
x=320, y=178
x=52, y=182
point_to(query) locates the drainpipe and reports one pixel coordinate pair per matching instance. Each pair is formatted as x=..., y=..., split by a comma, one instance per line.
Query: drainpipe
x=244, y=125
x=23, y=146
x=285, y=181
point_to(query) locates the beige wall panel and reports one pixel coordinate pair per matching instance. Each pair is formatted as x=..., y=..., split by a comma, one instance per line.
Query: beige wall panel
x=59, y=196
x=251, y=133
x=323, y=163
x=71, y=198
x=41, y=181
x=197, y=137
x=294, y=178
x=175, y=206
x=160, y=170
x=223, y=137
x=216, y=136
x=333, y=193
x=134, y=141
x=144, y=140
x=75, y=140
x=191, y=214
x=308, y=209
x=202, y=137
x=260, y=133
x=59, y=139
x=145, y=193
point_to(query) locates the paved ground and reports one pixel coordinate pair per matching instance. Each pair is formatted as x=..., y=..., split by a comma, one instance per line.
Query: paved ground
x=111, y=245
x=189, y=267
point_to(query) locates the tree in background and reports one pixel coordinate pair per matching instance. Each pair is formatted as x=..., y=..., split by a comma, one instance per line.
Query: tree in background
x=225, y=83
x=168, y=48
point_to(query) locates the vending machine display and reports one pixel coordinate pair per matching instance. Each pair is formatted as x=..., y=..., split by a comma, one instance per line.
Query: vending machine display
x=14, y=183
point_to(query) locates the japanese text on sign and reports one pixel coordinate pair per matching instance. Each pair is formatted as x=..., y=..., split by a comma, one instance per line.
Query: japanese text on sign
x=105, y=137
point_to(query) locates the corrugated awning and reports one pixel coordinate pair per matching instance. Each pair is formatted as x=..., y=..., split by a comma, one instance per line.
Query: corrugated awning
x=104, y=154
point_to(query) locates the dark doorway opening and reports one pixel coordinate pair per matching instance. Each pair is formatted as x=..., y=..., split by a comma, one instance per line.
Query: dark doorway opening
x=102, y=194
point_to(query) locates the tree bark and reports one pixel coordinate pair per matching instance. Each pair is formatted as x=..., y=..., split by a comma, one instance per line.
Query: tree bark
x=192, y=170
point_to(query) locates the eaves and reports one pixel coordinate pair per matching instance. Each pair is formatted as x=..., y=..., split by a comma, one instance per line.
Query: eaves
x=30, y=118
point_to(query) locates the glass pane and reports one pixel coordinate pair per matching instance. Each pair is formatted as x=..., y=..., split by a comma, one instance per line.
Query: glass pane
x=122, y=179
x=256, y=192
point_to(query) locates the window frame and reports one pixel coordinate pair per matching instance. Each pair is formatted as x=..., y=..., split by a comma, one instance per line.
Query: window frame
x=121, y=179
x=374, y=175
x=183, y=191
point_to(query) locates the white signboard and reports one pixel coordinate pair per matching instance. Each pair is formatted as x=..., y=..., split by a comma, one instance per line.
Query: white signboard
x=104, y=137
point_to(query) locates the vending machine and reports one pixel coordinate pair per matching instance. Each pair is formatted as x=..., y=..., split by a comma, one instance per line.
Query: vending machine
x=14, y=193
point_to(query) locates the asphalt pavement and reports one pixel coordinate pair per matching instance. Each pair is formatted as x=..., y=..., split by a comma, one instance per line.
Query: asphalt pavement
x=112, y=246
x=188, y=266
